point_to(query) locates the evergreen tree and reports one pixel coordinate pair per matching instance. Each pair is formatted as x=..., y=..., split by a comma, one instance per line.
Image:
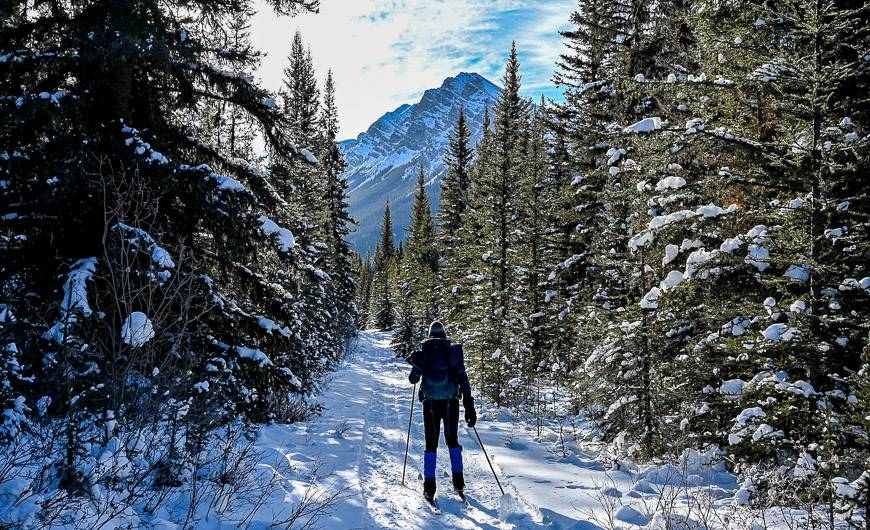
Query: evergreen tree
x=453, y=236
x=301, y=94
x=407, y=335
x=363, y=292
x=420, y=260
x=340, y=260
x=172, y=249
x=533, y=259
x=383, y=306
x=496, y=210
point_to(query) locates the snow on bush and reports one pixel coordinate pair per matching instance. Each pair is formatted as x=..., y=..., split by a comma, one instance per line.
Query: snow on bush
x=157, y=475
x=732, y=387
x=673, y=279
x=75, y=298
x=671, y=252
x=797, y=273
x=254, y=354
x=75, y=291
x=285, y=238
x=650, y=299
x=137, y=329
x=159, y=256
x=646, y=125
x=670, y=183
x=779, y=332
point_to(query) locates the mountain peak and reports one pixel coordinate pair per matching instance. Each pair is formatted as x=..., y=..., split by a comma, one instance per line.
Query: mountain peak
x=382, y=163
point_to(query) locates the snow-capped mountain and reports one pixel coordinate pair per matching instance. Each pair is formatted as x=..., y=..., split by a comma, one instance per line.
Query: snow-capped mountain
x=383, y=161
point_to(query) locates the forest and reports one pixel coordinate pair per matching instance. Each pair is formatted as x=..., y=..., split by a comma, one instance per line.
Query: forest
x=675, y=252
x=680, y=247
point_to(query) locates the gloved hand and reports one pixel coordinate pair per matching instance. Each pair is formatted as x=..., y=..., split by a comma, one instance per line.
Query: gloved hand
x=414, y=377
x=470, y=413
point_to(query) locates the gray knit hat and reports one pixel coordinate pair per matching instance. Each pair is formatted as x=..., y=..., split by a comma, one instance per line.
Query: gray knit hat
x=436, y=330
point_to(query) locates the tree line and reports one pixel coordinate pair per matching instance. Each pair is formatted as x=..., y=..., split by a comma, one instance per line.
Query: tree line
x=679, y=247
x=172, y=235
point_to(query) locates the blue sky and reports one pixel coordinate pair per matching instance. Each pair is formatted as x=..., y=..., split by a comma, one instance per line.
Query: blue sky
x=387, y=52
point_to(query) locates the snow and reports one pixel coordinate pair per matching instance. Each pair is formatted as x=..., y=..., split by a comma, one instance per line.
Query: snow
x=309, y=156
x=737, y=326
x=254, y=354
x=627, y=514
x=159, y=256
x=758, y=256
x=673, y=279
x=711, y=210
x=664, y=220
x=75, y=291
x=354, y=449
x=670, y=183
x=696, y=260
x=227, y=183
x=671, y=252
x=646, y=125
x=779, y=332
x=640, y=240
x=137, y=329
x=747, y=414
x=650, y=299
x=732, y=387
x=285, y=238
x=797, y=273
x=730, y=245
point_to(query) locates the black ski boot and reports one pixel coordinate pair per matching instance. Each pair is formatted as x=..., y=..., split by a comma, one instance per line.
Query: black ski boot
x=429, y=491
x=459, y=486
x=458, y=482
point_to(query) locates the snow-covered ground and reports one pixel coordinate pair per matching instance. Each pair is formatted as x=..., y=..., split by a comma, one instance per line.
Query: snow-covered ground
x=358, y=443
x=342, y=469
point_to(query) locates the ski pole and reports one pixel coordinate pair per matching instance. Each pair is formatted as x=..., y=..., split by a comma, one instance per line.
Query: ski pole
x=480, y=442
x=408, y=439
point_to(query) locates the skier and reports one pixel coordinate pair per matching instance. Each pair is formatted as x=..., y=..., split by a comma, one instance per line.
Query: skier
x=442, y=368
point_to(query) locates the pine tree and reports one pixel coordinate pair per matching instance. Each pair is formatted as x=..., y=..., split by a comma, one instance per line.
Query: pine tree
x=533, y=260
x=301, y=94
x=453, y=234
x=608, y=51
x=420, y=260
x=407, y=334
x=363, y=292
x=800, y=68
x=383, y=306
x=340, y=260
x=146, y=237
x=493, y=333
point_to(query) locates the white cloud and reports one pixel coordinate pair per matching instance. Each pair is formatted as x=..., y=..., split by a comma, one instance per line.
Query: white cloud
x=387, y=52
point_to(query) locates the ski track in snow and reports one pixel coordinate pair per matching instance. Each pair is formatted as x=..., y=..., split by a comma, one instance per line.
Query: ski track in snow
x=359, y=441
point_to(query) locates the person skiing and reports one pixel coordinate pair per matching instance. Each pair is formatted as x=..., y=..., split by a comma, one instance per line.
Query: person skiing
x=441, y=366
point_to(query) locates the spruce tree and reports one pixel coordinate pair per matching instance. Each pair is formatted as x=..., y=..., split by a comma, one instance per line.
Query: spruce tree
x=496, y=210
x=339, y=263
x=301, y=94
x=383, y=305
x=130, y=211
x=420, y=260
x=453, y=233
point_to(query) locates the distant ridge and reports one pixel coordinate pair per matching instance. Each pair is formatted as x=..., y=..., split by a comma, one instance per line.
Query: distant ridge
x=383, y=161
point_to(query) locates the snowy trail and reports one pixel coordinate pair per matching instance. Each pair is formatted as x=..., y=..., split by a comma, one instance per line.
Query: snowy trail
x=357, y=444
x=359, y=441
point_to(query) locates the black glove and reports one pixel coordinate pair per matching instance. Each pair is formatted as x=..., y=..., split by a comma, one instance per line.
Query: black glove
x=470, y=413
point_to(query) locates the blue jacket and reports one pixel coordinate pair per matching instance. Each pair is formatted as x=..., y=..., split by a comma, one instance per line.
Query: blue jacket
x=441, y=365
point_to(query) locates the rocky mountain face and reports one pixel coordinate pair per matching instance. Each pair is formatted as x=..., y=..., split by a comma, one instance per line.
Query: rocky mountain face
x=383, y=161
